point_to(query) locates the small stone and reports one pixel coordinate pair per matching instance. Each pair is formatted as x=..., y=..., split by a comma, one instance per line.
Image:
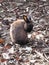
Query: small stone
x=11, y=50
x=29, y=49
x=5, y=55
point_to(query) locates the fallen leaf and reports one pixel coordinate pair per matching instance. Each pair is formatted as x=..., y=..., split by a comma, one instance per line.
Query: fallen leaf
x=8, y=46
x=1, y=1
x=1, y=40
x=3, y=60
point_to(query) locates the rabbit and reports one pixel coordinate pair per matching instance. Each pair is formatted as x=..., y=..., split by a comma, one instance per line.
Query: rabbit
x=19, y=30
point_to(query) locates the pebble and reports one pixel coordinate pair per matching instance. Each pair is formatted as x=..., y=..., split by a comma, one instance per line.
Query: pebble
x=5, y=55
x=29, y=49
x=11, y=50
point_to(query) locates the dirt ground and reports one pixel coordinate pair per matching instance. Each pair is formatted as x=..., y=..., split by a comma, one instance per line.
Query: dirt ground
x=36, y=52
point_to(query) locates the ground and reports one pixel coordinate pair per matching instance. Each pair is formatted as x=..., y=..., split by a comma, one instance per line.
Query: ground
x=36, y=52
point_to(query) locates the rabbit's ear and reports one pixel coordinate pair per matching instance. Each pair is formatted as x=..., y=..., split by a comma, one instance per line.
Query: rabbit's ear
x=25, y=17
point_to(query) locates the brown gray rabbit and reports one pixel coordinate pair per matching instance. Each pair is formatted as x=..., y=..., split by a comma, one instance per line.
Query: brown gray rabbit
x=19, y=29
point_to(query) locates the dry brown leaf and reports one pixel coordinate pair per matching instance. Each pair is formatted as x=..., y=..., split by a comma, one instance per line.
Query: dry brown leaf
x=17, y=58
x=1, y=40
x=7, y=46
x=3, y=60
x=1, y=1
x=26, y=60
